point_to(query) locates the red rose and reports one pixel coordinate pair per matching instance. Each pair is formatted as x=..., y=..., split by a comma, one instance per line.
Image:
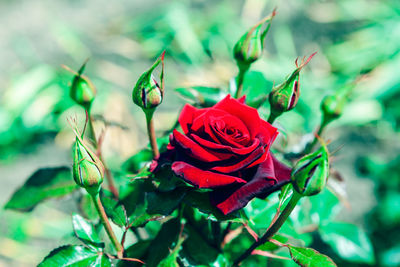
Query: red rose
x=226, y=148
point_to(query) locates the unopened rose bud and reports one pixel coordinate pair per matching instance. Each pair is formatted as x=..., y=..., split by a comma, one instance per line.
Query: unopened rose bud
x=88, y=170
x=311, y=172
x=284, y=97
x=332, y=105
x=250, y=46
x=148, y=93
x=331, y=108
x=82, y=90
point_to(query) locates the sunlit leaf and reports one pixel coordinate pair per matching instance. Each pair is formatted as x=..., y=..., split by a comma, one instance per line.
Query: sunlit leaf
x=43, y=184
x=308, y=257
x=348, y=241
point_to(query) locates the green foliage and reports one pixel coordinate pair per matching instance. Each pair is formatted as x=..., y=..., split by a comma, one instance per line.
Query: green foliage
x=308, y=257
x=114, y=210
x=85, y=231
x=77, y=256
x=356, y=36
x=349, y=241
x=42, y=185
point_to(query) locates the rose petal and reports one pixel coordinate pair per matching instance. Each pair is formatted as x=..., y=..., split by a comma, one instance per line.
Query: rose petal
x=224, y=148
x=186, y=117
x=268, y=133
x=242, y=164
x=264, y=182
x=192, y=148
x=247, y=114
x=201, y=178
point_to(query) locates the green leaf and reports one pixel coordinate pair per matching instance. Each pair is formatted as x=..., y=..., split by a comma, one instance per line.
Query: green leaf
x=308, y=257
x=85, y=231
x=201, y=201
x=75, y=256
x=137, y=251
x=115, y=211
x=43, y=184
x=171, y=260
x=164, y=203
x=201, y=95
x=197, y=249
x=348, y=241
x=138, y=161
x=161, y=245
x=269, y=246
x=256, y=88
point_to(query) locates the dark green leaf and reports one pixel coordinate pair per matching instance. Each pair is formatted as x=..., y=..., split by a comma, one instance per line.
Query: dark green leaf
x=201, y=201
x=115, y=211
x=133, y=196
x=43, y=184
x=137, y=251
x=85, y=231
x=171, y=259
x=197, y=249
x=138, y=161
x=308, y=257
x=348, y=241
x=75, y=256
x=164, y=202
x=164, y=241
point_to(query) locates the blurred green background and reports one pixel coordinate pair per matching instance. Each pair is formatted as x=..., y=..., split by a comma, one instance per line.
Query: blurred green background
x=122, y=38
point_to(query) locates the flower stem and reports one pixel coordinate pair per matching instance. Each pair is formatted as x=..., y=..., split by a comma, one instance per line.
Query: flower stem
x=152, y=135
x=318, y=133
x=240, y=78
x=92, y=138
x=272, y=117
x=272, y=229
x=106, y=223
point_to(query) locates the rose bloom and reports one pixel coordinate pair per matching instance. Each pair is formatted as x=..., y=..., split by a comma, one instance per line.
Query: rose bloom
x=226, y=148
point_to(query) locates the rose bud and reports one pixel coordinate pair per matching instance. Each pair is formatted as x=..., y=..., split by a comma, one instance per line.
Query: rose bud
x=148, y=93
x=332, y=105
x=226, y=149
x=250, y=46
x=82, y=90
x=311, y=172
x=284, y=97
x=88, y=170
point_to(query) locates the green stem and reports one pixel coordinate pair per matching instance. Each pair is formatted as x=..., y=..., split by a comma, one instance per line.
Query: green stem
x=240, y=79
x=92, y=138
x=272, y=229
x=310, y=146
x=152, y=135
x=106, y=223
x=272, y=117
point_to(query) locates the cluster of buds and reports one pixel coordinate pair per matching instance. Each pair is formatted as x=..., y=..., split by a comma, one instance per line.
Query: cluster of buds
x=82, y=90
x=284, y=97
x=250, y=46
x=311, y=172
x=148, y=93
x=88, y=170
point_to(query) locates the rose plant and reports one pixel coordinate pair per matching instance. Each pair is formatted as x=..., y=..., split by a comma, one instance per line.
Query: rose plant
x=188, y=198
